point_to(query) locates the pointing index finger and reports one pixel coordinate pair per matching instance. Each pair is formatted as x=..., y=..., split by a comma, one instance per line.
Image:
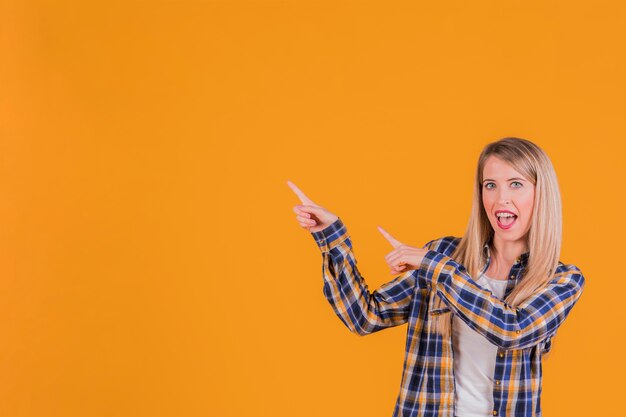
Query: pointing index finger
x=394, y=242
x=303, y=198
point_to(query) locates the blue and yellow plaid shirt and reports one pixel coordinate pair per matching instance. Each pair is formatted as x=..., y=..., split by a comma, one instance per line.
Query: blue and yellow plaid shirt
x=427, y=389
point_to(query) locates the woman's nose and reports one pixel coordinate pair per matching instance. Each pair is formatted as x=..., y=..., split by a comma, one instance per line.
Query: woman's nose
x=504, y=197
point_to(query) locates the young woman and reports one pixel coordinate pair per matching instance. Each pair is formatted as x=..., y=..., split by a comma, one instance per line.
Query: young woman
x=481, y=309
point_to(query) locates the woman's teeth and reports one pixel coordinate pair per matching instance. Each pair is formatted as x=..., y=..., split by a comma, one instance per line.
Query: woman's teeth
x=506, y=219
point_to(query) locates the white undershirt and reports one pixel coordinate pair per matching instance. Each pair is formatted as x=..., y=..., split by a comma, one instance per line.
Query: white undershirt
x=475, y=362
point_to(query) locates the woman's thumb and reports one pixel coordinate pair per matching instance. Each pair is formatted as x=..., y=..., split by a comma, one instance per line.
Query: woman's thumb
x=311, y=209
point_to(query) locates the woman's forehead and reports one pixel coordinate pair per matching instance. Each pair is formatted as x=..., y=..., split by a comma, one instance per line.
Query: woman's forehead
x=498, y=169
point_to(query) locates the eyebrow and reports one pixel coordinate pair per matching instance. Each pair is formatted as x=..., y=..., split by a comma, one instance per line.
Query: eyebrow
x=510, y=179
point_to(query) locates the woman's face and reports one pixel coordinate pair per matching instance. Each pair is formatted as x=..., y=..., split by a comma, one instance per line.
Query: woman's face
x=508, y=194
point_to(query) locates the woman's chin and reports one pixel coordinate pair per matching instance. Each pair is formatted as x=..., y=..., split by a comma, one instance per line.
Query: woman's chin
x=510, y=236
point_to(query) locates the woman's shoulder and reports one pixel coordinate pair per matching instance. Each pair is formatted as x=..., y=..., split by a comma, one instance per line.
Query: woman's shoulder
x=445, y=245
x=569, y=272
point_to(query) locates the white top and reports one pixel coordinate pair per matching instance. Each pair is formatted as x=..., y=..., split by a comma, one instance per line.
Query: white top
x=475, y=362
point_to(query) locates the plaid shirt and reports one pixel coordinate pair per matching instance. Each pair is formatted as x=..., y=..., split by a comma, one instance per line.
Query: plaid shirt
x=427, y=389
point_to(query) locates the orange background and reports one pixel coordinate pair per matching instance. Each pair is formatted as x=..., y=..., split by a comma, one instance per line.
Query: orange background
x=151, y=264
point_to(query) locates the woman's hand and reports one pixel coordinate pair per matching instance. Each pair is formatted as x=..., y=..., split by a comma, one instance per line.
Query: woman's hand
x=403, y=257
x=311, y=216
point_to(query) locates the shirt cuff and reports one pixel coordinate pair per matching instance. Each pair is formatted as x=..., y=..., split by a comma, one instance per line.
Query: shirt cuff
x=331, y=236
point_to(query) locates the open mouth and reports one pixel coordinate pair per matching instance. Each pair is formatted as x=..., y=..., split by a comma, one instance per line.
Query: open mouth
x=506, y=220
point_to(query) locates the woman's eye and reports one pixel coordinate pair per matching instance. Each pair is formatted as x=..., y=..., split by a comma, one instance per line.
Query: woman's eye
x=519, y=184
x=489, y=185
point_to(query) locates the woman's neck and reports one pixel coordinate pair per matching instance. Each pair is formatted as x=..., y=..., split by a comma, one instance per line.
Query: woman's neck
x=504, y=255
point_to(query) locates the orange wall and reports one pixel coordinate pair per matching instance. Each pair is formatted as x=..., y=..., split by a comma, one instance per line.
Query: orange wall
x=150, y=263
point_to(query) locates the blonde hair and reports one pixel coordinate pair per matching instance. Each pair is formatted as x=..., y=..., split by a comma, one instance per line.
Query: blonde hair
x=544, y=235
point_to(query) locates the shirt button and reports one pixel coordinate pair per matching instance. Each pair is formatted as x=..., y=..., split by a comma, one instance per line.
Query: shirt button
x=517, y=331
x=495, y=412
x=501, y=354
x=497, y=382
x=512, y=277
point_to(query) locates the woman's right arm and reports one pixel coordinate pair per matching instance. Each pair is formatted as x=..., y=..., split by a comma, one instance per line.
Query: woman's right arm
x=344, y=287
x=346, y=291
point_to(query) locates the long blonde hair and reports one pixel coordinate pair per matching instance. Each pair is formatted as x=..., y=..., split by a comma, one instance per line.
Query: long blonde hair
x=544, y=235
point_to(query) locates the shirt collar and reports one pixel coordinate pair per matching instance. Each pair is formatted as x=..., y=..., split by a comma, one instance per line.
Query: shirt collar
x=523, y=258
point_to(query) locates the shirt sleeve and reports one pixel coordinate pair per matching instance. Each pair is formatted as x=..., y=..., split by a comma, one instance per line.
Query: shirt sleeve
x=346, y=291
x=533, y=321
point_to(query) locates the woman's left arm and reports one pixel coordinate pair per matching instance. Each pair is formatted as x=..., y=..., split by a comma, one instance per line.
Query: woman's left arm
x=508, y=327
